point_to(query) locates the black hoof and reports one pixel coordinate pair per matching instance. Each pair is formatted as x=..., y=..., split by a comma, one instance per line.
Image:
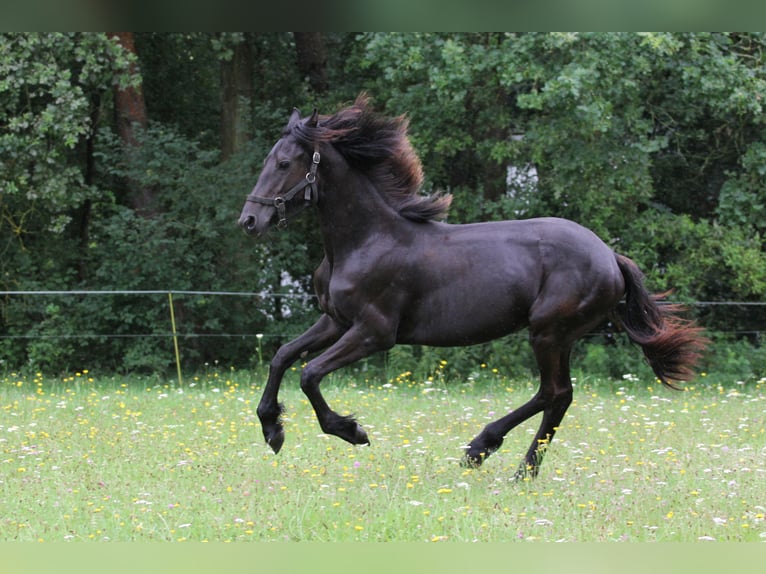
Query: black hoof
x=360, y=436
x=470, y=462
x=347, y=429
x=525, y=472
x=475, y=455
x=275, y=439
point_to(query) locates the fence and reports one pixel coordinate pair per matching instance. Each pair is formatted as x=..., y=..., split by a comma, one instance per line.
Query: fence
x=173, y=331
x=757, y=330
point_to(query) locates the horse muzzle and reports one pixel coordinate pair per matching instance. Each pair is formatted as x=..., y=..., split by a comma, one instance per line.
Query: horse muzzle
x=248, y=224
x=252, y=224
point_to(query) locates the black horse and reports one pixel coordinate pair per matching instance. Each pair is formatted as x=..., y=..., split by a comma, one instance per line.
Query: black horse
x=392, y=273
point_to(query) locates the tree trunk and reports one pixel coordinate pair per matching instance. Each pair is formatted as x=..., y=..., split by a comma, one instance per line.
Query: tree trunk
x=312, y=61
x=237, y=94
x=130, y=115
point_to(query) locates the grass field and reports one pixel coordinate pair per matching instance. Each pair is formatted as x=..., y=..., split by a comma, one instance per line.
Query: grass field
x=94, y=458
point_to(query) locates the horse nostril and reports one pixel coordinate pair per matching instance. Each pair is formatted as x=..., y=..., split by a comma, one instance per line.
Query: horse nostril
x=248, y=224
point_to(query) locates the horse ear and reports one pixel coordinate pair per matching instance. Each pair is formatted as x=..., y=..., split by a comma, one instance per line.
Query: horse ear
x=312, y=122
x=295, y=117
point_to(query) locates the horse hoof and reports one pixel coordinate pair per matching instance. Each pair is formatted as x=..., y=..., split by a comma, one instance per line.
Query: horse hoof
x=471, y=461
x=275, y=440
x=361, y=436
x=468, y=462
x=525, y=472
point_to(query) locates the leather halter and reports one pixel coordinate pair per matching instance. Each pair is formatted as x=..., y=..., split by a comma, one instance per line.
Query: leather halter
x=308, y=186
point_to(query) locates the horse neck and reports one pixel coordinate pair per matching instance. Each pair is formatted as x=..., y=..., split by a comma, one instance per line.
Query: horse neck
x=353, y=212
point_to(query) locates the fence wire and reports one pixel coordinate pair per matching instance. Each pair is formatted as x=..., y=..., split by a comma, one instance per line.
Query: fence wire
x=255, y=295
x=175, y=335
x=164, y=293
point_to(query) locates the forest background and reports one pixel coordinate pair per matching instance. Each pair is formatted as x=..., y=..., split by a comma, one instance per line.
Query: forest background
x=125, y=159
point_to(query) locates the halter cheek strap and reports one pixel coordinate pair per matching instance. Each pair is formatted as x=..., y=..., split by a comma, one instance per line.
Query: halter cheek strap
x=308, y=186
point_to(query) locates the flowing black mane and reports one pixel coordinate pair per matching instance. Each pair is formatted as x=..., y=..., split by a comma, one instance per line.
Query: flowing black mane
x=378, y=146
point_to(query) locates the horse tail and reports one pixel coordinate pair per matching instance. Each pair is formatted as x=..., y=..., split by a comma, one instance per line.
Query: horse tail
x=672, y=345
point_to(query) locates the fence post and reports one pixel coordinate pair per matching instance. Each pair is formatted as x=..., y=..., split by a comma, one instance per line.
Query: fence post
x=175, y=338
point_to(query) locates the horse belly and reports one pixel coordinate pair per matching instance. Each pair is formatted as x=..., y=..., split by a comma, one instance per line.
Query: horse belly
x=477, y=317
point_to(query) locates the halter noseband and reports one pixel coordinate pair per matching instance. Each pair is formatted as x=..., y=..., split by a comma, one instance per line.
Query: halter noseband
x=308, y=186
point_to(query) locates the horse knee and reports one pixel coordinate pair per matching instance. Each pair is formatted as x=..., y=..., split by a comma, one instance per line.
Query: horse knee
x=309, y=380
x=281, y=359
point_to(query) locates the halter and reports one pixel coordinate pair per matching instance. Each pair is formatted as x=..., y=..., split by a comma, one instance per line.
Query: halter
x=308, y=186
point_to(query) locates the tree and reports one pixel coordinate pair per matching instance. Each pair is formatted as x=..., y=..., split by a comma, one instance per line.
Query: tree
x=653, y=140
x=312, y=61
x=237, y=95
x=129, y=105
x=49, y=98
x=130, y=118
x=633, y=135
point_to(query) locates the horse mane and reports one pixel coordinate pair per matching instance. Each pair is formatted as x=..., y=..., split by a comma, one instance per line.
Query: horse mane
x=378, y=146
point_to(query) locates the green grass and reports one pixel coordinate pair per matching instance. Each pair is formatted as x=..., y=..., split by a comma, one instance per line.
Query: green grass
x=84, y=458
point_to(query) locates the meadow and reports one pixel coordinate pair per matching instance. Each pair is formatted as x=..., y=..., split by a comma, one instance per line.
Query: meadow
x=90, y=458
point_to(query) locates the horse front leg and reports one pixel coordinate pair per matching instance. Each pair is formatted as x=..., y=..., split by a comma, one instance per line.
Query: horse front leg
x=355, y=344
x=319, y=336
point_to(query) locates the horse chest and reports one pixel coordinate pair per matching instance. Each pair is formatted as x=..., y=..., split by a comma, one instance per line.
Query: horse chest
x=338, y=299
x=349, y=296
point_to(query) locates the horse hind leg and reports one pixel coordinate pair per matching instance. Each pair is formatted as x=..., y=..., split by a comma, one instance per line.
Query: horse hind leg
x=490, y=439
x=555, y=324
x=555, y=395
x=552, y=399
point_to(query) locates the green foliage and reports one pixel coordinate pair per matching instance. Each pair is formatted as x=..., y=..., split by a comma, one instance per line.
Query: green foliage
x=511, y=356
x=48, y=83
x=192, y=244
x=614, y=360
x=195, y=244
x=737, y=359
x=634, y=135
x=742, y=202
x=654, y=141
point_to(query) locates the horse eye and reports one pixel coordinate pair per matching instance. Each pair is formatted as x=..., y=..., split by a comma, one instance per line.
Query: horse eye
x=284, y=164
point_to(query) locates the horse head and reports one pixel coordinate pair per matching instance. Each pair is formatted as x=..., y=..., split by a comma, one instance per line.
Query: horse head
x=287, y=183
